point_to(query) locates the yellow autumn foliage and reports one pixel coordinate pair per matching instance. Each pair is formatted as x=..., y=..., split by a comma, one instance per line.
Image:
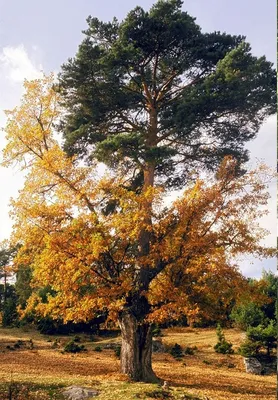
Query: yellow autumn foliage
x=90, y=258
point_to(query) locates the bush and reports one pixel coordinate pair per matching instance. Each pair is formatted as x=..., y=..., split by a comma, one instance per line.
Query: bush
x=9, y=313
x=176, y=351
x=159, y=394
x=190, y=350
x=246, y=315
x=117, y=351
x=222, y=346
x=72, y=347
x=249, y=348
x=156, y=331
x=47, y=326
x=98, y=349
x=264, y=336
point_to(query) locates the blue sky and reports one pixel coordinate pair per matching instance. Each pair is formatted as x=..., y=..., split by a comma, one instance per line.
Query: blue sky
x=36, y=36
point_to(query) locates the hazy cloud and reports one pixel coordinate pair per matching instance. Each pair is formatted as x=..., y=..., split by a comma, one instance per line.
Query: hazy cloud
x=16, y=65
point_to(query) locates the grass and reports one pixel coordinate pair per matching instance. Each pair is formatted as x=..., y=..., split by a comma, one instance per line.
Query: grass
x=44, y=370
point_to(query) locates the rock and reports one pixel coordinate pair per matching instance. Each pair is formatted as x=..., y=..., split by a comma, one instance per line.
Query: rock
x=269, y=364
x=111, y=346
x=158, y=346
x=253, y=366
x=79, y=393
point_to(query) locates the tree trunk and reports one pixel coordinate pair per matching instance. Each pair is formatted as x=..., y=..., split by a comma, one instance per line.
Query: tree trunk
x=136, y=352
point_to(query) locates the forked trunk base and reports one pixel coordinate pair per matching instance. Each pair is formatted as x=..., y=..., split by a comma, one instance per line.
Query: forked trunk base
x=136, y=352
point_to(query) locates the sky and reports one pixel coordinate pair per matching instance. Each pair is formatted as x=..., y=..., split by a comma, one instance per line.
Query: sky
x=40, y=36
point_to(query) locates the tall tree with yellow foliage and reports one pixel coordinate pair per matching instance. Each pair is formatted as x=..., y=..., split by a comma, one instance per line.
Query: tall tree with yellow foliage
x=93, y=258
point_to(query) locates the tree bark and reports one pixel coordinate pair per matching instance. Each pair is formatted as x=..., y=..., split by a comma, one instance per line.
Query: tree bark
x=136, y=352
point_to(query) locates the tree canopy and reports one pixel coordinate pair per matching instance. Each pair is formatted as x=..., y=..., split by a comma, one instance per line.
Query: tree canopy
x=158, y=101
x=154, y=89
x=89, y=258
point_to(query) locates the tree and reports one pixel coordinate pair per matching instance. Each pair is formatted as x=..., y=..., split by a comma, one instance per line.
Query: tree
x=259, y=337
x=270, y=290
x=158, y=98
x=9, y=308
x=249, y=313
x=222, y=346
x=245, y=315
x=90, y=259
x=8, y=298
x=158, y=102
x=6, y=255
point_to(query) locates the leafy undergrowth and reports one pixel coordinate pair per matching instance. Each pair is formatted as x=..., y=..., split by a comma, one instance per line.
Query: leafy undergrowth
x=202, y=375
x=28, y=391
x=107, y=391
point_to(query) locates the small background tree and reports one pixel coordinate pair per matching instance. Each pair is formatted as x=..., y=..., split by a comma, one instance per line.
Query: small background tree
x=222, y=346
x=251, y=314
x=260, y=340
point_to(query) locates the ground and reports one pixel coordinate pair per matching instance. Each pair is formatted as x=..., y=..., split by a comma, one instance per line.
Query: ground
x=203, y=375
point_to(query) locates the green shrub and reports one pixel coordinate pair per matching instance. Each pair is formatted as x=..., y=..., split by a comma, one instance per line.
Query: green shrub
x=159, y=394
x=176, y=351
x=9, y=313
x=222, y=346
x=190, y=350
x=246, y=315
x=261, y=337
x=249, y=348
x=77, y=339
x=156, y=330
x=98, y=349
x=72, y=347
x=117, y=351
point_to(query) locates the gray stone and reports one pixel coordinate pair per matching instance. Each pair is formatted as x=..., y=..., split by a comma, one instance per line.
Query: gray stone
x=253, y=366
x=79, y=393
x=111, y=346
x=158, y=346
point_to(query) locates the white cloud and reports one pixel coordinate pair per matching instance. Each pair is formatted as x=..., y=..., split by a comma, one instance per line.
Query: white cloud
x=252, y=267
x=263, y=150
x=17, y=66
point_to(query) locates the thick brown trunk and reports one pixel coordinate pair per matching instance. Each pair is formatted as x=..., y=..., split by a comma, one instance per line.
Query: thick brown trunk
x=136, y=352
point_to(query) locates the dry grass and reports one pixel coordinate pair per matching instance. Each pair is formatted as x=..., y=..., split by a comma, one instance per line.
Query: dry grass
x=219, y=377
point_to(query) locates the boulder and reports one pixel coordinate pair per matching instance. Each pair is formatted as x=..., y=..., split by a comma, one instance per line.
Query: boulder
x=269, y=364
x=253, y=366
x=158, y=346
x=79, y=393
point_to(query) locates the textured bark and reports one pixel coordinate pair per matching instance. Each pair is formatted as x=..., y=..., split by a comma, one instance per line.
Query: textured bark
x=136, y=352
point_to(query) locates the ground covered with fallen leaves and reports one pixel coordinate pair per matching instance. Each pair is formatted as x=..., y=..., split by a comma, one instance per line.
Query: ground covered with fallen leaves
x=34, y=366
